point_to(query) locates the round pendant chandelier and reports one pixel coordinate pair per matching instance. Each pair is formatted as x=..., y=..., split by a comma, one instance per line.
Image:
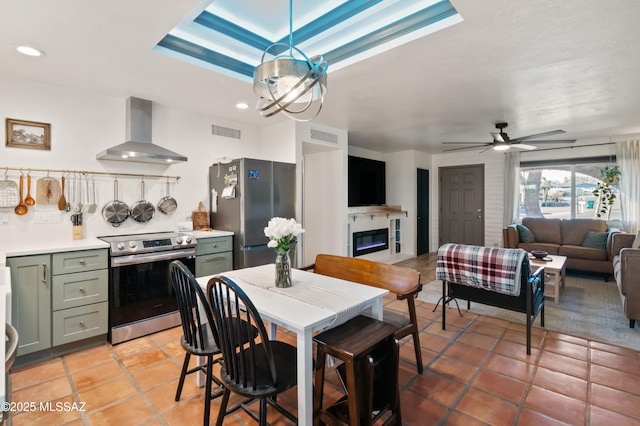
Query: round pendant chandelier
x=290, y=83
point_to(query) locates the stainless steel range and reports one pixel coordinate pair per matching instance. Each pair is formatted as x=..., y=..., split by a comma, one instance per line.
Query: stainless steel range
x=141, y=297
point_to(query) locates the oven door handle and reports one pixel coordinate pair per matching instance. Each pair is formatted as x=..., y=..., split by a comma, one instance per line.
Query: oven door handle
x=151, y=257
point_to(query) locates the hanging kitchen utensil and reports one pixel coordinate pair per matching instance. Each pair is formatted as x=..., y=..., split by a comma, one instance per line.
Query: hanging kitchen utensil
x=142, y=211
x=86, y=204
x=115, y=212
x=67, y=207
x=48, y=191
x=29, y=200
x=76, y=203
x=8, y=192
x=62, y=202
x=167, y=204
x=21, y=209
x=91, y=196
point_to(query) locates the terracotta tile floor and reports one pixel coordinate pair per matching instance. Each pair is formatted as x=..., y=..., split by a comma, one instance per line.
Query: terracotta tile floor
x=477, y=373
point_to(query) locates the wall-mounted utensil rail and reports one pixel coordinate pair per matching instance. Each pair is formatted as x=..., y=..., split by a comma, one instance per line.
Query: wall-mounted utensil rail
x=87, y=172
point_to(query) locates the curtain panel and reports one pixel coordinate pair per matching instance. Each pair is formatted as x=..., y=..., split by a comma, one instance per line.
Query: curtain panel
x=628, y=158
x=511, y=211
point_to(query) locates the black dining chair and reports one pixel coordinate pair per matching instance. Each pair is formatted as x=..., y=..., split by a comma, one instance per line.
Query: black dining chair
x=258, y=369
x=198, y=332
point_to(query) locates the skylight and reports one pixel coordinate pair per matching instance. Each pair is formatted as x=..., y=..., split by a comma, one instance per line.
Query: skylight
x=230, y=36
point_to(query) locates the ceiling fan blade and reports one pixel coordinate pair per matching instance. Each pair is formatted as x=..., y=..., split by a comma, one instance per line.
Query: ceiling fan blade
x=497, y=137
x=524, y=146
x=464, y=143
x=551, y=141
x=466, y=147
x=539, y=135
x=486, y=149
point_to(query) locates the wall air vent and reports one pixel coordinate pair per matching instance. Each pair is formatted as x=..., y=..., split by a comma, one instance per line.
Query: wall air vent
x=324, y=136
x=226, y=132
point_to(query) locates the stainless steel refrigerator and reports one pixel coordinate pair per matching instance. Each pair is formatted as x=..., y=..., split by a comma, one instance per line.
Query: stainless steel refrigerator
x=244, y=195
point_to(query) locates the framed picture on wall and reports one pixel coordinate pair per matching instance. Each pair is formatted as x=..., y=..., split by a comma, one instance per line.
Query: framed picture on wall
x=28, y=134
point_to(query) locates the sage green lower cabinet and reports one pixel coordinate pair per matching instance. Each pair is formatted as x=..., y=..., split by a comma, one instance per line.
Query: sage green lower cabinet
x=31, y=301
x=79, y=295
x=59, y=298
x=214, y=255
x=70, y=325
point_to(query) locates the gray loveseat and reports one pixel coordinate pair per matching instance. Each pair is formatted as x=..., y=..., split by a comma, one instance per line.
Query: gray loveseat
x=587, y=243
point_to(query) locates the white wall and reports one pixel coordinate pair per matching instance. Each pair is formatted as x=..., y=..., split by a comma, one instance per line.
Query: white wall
x=323, y=191
x=278, y=142
x=85, y=123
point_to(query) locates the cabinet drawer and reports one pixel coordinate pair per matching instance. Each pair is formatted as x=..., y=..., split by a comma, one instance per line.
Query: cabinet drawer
x=79, y=261
x=214, y=263
x=71, y=290
x=214, y=245
x=70, y=325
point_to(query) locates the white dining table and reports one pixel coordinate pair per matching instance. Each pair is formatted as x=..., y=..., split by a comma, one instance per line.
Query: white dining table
x=314, y=303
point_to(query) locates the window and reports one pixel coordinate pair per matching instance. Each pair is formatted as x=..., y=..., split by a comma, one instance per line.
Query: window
x=563, y=189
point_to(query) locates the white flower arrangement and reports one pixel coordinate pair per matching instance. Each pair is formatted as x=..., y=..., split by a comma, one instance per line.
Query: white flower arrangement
x=281, y=231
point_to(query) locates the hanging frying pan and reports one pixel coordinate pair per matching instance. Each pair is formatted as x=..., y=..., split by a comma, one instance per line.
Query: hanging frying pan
x=115, y=212
x=167, y=204
x=142, y=211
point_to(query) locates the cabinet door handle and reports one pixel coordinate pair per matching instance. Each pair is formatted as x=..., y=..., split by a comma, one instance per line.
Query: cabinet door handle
x=214, y=258
x=215, y=245
x=81, y=323
x=82, y=261
x=44, y=273
x=81, y=289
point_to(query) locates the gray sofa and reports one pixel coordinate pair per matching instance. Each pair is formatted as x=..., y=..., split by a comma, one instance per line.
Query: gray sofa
x=626, y=269
x=567, y=237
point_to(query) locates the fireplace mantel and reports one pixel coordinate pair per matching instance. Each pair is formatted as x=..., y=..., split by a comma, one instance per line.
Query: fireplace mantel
x=372, y=211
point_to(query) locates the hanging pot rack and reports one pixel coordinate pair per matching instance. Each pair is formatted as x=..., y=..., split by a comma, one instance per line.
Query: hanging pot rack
x=87, y=172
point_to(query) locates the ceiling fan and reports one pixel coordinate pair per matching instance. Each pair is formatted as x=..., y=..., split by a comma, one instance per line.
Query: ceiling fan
x=502, y=141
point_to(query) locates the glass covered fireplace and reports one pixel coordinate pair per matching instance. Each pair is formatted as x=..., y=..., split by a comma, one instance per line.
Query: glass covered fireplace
x=365, y=242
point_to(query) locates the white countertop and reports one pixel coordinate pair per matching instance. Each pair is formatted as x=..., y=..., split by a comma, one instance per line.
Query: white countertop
x=210, y=234
x=26, y=248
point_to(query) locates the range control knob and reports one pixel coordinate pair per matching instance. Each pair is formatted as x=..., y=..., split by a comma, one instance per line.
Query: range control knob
x=133, y=244
x=179, y=240
x=120, y=246
x=188, y=239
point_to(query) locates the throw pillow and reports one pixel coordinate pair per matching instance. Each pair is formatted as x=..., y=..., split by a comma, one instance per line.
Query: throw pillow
x=636, y=242
x=596, y=240
x=525, y=234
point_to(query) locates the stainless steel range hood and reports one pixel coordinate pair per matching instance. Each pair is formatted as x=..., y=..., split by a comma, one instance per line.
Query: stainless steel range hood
x=138, y=147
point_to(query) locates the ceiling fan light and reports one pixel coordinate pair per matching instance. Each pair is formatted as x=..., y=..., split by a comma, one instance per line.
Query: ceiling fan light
x=501, y=146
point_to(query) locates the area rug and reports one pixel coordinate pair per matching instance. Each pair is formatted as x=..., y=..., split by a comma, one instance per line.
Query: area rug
x=589, y=308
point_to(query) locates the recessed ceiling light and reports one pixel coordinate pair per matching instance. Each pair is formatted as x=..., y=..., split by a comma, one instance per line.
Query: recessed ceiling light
x=242, y=105
x=30, y=51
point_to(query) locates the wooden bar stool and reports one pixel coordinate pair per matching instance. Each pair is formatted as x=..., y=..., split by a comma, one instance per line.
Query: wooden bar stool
x=365, y=346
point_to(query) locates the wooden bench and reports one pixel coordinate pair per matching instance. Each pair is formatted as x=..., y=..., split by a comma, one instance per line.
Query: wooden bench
x=403, y=282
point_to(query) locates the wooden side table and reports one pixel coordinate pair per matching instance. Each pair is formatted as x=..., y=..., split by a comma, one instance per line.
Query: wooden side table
x=554, y=270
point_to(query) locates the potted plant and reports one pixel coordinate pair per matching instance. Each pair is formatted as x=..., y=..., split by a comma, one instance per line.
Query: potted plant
x=605, y=191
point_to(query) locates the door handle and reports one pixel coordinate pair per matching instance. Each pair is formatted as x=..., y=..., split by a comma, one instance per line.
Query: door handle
x=44, y=273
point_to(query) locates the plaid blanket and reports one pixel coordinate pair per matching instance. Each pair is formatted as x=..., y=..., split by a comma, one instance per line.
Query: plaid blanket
x=494, y=269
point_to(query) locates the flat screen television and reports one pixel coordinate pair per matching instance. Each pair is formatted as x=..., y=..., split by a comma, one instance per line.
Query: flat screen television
x=367, y=182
